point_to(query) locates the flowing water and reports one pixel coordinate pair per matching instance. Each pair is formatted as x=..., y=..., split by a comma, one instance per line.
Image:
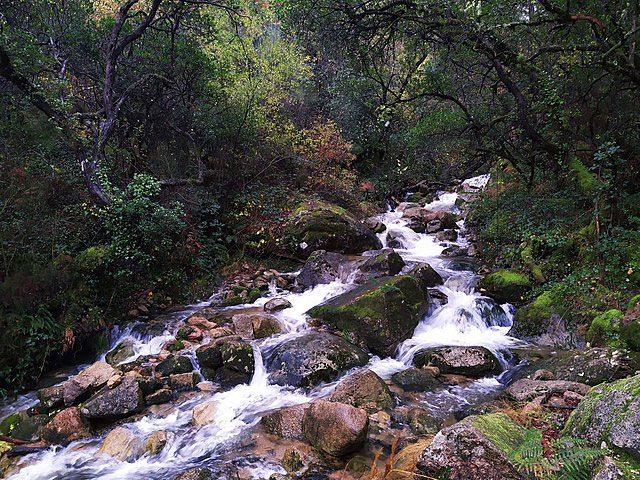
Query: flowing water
x=466, y=319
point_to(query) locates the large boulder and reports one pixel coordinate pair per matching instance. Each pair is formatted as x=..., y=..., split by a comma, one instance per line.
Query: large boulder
x=593, y=365
x=264, y=325
x=86, y=382
x=506, y=286
x=121, y=352
x=196, y=474
x=469, y=361
x=226, y=355
x=525, y=389
x=66, y=427
x=322, y=226
x=122, y=444
x=543, y=322
x=335, y=428
x=610, y=413
x=363, y=389
x=426, y=275
x=383, y=263
x=123, y=400
x=174, y=364
x=477, y=448
x=313, y=358
x=323, y=267
x=285, y=422
x=381, y=314
x=416, y=380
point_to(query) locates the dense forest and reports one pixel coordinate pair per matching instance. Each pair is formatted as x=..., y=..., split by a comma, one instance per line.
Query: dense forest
x=483, y=154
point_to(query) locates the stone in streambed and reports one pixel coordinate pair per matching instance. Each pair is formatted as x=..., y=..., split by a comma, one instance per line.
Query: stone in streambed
x=122, y=444
x=322, y=267
x=156, y=442
x=468, y=361
x=313, y=358
x=86, y=382
x=205, y=413
x=174, y=364
x=67, y=426
x=386, y=262
x=382, y=314
x=120, y=401
x=335, y=428
x=285, y=422
x=121, y=352
x=277, y=304
x=506, y=286
x=196, y=474
x=525, y=390
x=363, y=389
x=416, y=380
x=426, y=275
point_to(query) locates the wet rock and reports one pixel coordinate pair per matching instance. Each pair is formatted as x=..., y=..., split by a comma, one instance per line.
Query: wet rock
x=285, y=422
x=542, y=374
x=201, y=322
x=335, y=428
x=322, y=267
x=382, y=314
x=158, y=397
x=609, y=471
x=447, y=235
x=375, y=225
x=313, y=358
x=277, y=304
x=196, y=474
x=265, y=326
x=437, y=299
x=506, y=286
x=156, y=442
x=469, y=361
x=220, y=332
x=323, y=226
x=426, y=275
x=434, y=226
x=455, y=251
x=51, y=397
x=227, y=378
x=386, y=262
x=476, y=448
x=243, y=325
x=122, y=444
x=292, y=460
x=123, y=400
x=86, y=382
x=422, y=422
x=395, y=239
x=182, y=382
x=363, y=389
x=205, y=413
x=492, y=313
x=237, y=355
x=525, y=390
x=174, y=364
x=610, y=413
x=593, y=365
x=416, y=380
x=121, y=352
x=66, y=427
x=23, y=426
x=210, y=356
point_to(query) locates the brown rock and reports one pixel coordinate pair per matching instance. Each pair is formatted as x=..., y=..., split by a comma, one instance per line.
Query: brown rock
x=335, y=428
x=285, y=422
x=363, y=389
x=66, y=427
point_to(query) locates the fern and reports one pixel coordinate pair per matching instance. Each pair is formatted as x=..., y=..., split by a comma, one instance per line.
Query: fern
x=571, y=458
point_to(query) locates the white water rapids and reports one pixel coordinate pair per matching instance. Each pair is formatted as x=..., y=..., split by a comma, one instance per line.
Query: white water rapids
x=463, y=320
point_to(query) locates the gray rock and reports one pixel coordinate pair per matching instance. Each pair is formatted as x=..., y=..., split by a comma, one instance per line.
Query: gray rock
x=313, y=358
x=196, y=474
x=363, y=389
x=554, y=332
x=469, y=361
x=285, y=422
x=384, y=262
x=120, y=401
x=335, y=428
x=426, y=275
x=322, y=267
x=86, y=382
x=174, y=364
x=163, y=395
x=525, y=390
x=121, y=352
x=122, y=444
x=416, y=380
x=277, y=304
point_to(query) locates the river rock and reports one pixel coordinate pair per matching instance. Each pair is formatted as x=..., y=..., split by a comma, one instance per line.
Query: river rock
x=506, y=286
x=525, y=390
x=205, y=413
x=375, y=225
x=422, y=422
x=122, y=444
x=264, y=326
x=469, y=361
x=450, y=235
x=592, y=365
x=382, y=314
x=201, y=321
x=66, y=427
x=477, y=448
x=237, y=355
x=277, y=304
x=426, y=275
x=86, y=382
x=156, y=442
x=322, y=226
x=492, y=313
x=227, y=378
x=416, y=380
x=313, y=358
x=182, y=382
x=610, y=413
x=196, y=474
x=51, y=398
x=395, y=239
x=322, y=267
x=385, y=262
x=285, y=422
x=120, y=401
x=121, y=352
x=174, y=364
x=363, y=389
x=335, y=428
x=158, y=397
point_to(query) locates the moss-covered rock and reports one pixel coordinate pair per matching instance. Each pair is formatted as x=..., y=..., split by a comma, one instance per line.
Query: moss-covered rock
x=476, y=448
x=322, y=226
x=605, y=329
x=630, y=328
x=381, y=314
x=610, y=413
x=506, y=286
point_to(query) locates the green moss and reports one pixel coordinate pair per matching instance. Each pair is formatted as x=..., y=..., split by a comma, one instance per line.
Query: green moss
x=628, y=465
x=527, y=258
x=253, y=295
x=605, y=328
x=503, y=432
x=5, y=447
x=318, y=206
x=630, y=334
x=633, y=303
x=587, y=182
x=11, y=422
x=532, y=318
x=506, y=285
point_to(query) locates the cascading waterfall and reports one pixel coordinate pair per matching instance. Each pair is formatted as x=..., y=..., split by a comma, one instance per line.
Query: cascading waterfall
x=466, y=319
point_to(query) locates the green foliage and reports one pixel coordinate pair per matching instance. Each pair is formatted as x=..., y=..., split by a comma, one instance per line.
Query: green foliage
x=569, y=459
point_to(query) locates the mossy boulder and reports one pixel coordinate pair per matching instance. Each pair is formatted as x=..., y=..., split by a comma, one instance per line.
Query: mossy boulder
x=319, y=225
x=313, y=358
x=610, y=413
x=477, y=448
x=386, y=262
x=121, y=352
x=605, y=329
x=506, y=286
x=381, y=314
x=630, y=329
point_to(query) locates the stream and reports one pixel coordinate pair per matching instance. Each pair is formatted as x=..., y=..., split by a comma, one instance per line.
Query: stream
x=467, y=319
